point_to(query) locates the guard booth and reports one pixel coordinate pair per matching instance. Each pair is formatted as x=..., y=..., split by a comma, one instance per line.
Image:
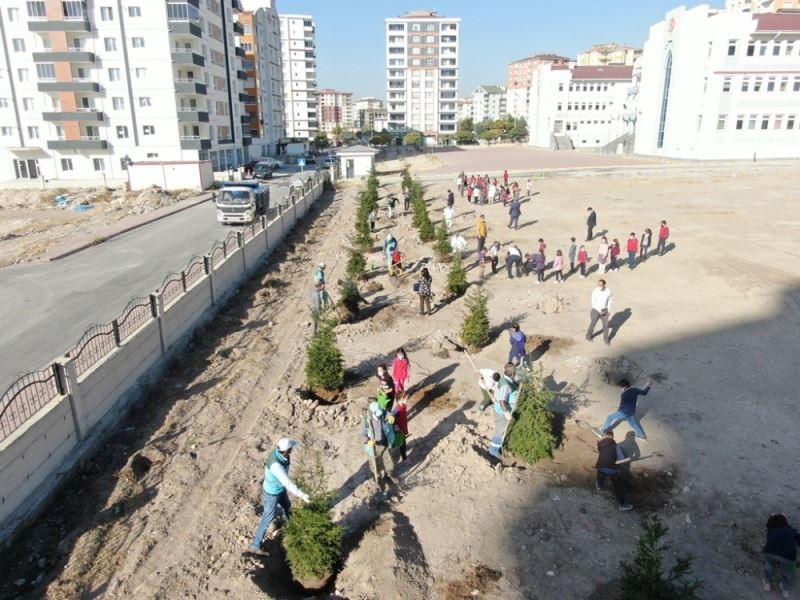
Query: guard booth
x=356, y=161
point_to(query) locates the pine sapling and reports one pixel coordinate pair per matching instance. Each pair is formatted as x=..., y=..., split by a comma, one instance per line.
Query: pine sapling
x=475, y=331
x=324, y=366
x=530, y=435
x=457, y=282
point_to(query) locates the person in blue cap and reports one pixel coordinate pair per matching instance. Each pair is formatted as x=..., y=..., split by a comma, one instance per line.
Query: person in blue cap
x=276, y=486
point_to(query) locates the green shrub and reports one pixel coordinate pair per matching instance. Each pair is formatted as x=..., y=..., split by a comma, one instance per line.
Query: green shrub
x=418, y=206
x=356, y=264
x=407, y=181
x=457, y=277
x=475, y=327
x=644, y=578
x=350, y=296
x=530, y=435
x=324, y=367
x=442, y=246
x=313, y=542
x=427, y=232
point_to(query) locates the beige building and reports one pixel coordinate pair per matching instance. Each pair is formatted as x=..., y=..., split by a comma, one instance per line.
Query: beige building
x=600, y=55
x=367, y=111
x=762, y=6
x=519, y=75
x=335, y=110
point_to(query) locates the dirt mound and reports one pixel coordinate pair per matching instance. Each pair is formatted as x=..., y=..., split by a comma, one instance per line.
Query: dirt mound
x=153, y=198
x=478, y=580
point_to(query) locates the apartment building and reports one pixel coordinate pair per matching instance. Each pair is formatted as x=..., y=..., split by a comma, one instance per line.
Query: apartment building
x=580, y=107
x=260, y=50
x=463, y=108
x=298, y=51
x=519, y=75
x=720, y=84
x=422, y=73
x=335, y=110
x=367, y=111
x=762, y=6
x=89, y=87
x=488, y=103
x=609, y=54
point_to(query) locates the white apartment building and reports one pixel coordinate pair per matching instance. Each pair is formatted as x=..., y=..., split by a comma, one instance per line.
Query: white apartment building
x=298, y=50
x=761, y=6
x=422, y=73
x=720, y=84
x=366, y=111
x=519, y=75
x=87, y=87
x=463, y=108
x=612, y=53
x=335, y=109
x=488, y=103
x=261, y=48
x=580, y=107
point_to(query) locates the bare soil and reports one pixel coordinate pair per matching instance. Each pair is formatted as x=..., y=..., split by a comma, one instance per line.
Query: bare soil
x=167, y=507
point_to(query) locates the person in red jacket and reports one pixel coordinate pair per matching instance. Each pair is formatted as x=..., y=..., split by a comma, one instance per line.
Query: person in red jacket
x=663, y=236
x=614, y=251
x=633, y=249
x=505, y=177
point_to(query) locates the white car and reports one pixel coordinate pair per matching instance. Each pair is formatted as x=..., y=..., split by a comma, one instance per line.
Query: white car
x=274, y=162
x=329, y=161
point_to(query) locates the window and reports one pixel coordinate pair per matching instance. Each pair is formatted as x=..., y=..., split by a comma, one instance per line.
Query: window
x=137, y=42
x=765, y=122
x=122, y=131
x=6, y=131
x=722, y=121
x=98, y=164
x=739, y=121
x=776, y=49
x=796, y=87
x=118, y=102
x=106, y=13
x=27, y=104
x=789, y=48
x=726, y=85
x=699, y=122
x=133, y=12
x=778, y=122
x=751, y=122
x=751, y=48
x=45, y=71
x=731, y=47
x=3, y=102
x=771, y=84
x=110, y=43
x=784, y=84
x=560, y=87
x=13, y=14
x=757, y=85
x=19, y=44
x=22, y=74
x=145, y=101
x=559, y=106
x=60, y=132
x=149, y=130
x=745, y=84
x=36, y=9
x=66, y=164
x=762, y=49
x=33, y=133
x=154, y=155
x=141, y=72
x=790, y=122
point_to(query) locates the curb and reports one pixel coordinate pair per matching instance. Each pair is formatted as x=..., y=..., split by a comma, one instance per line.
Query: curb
x=182, y=206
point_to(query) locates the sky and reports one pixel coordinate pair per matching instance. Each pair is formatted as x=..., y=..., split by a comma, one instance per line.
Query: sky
x=351, y=54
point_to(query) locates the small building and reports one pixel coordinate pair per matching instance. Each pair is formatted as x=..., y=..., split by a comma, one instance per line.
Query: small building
x=356, y=161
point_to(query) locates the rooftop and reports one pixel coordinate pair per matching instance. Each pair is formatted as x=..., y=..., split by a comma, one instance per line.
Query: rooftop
x=542, y=57
x=356, y=149
x=492, y=89
x=602, y=73
x=610, y=47
x=777, y=21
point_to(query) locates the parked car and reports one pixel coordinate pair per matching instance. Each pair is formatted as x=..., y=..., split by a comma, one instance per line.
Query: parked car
x=264, y=170
x=310, y=159
x=329, y=161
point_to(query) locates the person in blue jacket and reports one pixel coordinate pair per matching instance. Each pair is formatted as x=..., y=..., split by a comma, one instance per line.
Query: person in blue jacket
x=276, y=486
x=780, y=553
x=517, y=338
x=627, y=409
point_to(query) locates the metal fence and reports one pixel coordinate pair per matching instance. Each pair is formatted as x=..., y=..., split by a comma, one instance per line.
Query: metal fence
x=30, y=392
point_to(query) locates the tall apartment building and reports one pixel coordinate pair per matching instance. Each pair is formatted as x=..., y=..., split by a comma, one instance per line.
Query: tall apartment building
x=488, y=103
x=580, y=107
x=422, y=73
x=609, y=54
x=90, y=86
x=762, y=6
x=335, y=109
x=463, y=108
x=298, y=51
x=367, y=111
x=720, y=84
x=262, y=62
x=519, y=75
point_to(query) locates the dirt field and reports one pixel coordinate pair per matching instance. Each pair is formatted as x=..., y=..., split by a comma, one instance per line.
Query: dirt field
x=31, y=223
x=166, y=509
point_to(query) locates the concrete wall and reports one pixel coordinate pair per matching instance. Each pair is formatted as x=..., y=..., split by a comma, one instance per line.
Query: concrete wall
x=37, y=457
x=171, y=175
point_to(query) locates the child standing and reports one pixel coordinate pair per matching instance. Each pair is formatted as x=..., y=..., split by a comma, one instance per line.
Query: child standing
x=539, y=263
x=400, y=416
x=558, y=265
x=647, y=237
x=633, y=248
x=494, y=254
x=481, y=262
x=614, y=251
x=583, y=258
x=572, y=252
x=401, y=371
x=602, y=255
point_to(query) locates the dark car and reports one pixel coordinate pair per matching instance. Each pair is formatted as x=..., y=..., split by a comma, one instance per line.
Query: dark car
x=264, y=170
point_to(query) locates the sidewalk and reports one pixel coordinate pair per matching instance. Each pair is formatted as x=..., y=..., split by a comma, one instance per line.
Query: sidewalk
x=106, y=233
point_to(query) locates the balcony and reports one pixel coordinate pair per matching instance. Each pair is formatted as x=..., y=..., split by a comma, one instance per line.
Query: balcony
x=87, y=142
x=72, y=55
x=184, y=18
x=69, y=86
x=195, y=142
x=236, y=5
x=81, y=114
x=238, y=28
x=247, y=139
x=241, y=75
x=185, y=57
x=247, y=98
x=71, y=25
x=247, y=117
x=191, y=115
x=190, y=86
x=240, y=52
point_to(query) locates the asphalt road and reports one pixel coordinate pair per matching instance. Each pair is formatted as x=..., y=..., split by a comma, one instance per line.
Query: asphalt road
x=46, y=307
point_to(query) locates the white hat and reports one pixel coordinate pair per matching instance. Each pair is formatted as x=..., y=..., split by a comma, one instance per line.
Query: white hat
x=321, y=265
x=286, y=444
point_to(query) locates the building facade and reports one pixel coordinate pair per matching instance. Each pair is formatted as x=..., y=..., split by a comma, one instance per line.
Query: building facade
x=422, y=73
x=580, y=107
x=91, y=87
x=720, y=84
x=609, y=54
x=298, y=52
x=335, y=110
x=262, y=62
x=488, y=103
x=519, y=75
x=762, y=6
x=367, y=111
x=463, y=108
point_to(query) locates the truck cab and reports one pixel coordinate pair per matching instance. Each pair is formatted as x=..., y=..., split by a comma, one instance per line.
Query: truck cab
x=242, y=201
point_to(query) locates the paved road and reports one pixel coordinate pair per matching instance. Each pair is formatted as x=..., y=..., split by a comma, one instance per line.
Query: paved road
x=46, y=307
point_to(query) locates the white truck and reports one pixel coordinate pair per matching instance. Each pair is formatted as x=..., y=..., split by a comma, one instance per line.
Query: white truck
x=242, y=201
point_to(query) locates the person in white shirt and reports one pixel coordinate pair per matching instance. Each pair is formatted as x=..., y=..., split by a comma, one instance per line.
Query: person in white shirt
x=487, y=385
x=449, y=215
x=601, y=305
x=514, y=259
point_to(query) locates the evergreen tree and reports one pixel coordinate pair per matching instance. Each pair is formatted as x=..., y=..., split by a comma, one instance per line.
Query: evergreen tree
x=324, y=365
x=457, y=277
x=442, y=245
x=356, y=264
x=530, y=435
x=475, y=327
x=427, y=232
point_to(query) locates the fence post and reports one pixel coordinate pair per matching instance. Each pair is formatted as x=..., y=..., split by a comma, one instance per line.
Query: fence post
x=157, y=310
x=115, y=329
x=294, y=206
x=266, y=234
x=240, y=243
x=207, y=265
x=280, y=217
x=68, y=381
x=183, y=279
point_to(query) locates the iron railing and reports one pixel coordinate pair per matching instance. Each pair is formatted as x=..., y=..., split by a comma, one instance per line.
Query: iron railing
x=98, y=341
x=25, y=397
x=171, y=287
x=138, y=312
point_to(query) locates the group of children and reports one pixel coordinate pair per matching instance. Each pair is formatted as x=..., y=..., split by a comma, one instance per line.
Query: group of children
x=483, y=190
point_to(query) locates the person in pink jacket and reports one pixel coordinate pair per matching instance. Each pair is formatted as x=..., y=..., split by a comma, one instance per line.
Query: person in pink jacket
x=401, y=372
x=558, y=266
